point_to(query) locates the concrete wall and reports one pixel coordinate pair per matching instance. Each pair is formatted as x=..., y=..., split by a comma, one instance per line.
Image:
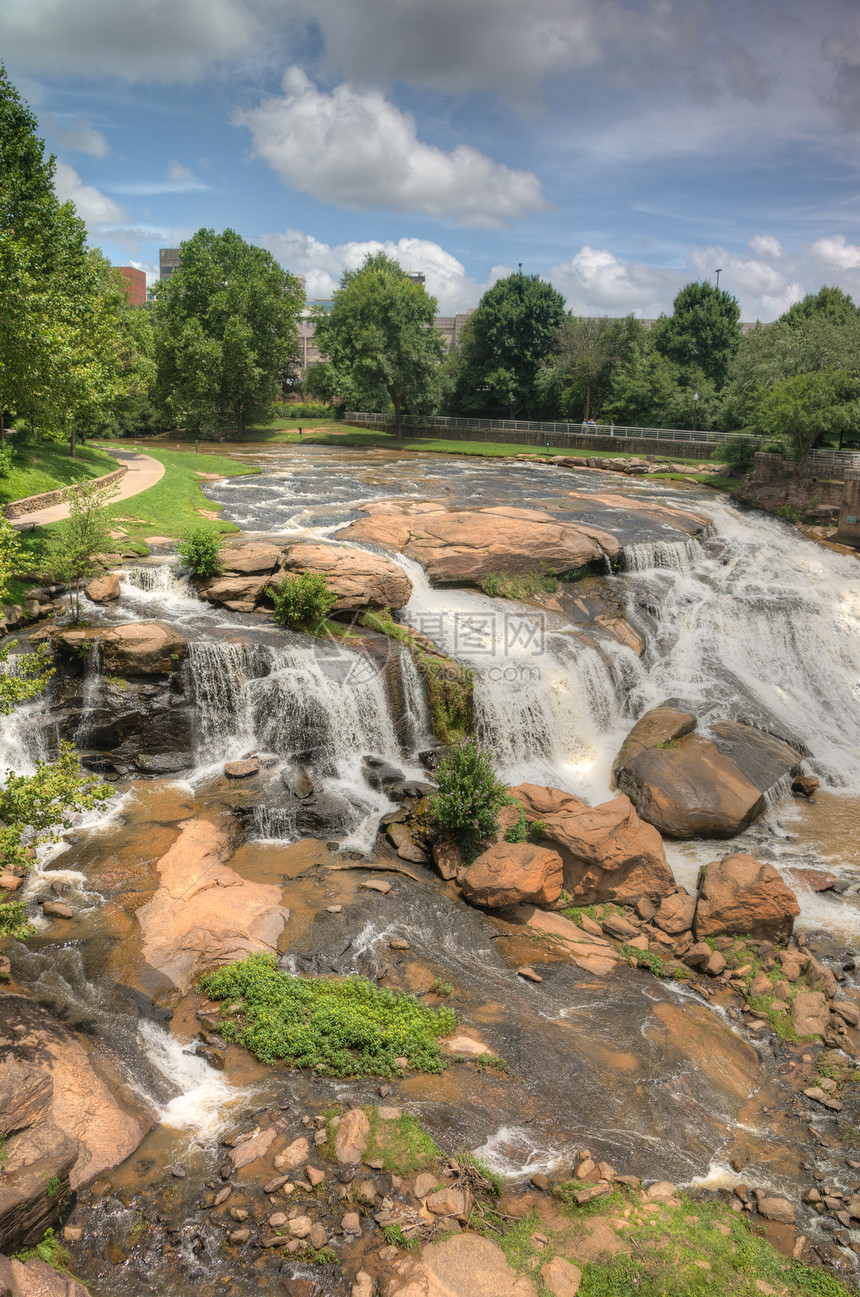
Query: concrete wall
x=848, y=531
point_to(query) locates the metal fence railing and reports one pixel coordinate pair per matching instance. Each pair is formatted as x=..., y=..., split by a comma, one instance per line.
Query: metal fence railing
x=833, y=461
x=530, y=432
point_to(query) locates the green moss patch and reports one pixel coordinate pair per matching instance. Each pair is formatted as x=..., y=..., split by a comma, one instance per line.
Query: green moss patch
x=401, y=1145
x=340, y=1028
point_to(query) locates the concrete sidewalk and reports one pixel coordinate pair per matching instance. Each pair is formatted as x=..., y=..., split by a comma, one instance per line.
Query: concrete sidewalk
x=143, y=472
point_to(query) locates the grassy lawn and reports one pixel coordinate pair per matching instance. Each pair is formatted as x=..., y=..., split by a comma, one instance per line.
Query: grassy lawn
x=47, y=468
x=167, y=509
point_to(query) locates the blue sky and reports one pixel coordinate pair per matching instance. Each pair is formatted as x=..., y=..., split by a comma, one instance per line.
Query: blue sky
x=616, y=148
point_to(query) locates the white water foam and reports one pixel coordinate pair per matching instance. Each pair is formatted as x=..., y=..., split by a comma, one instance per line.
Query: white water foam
x=204, y=1100
x=512, y=1152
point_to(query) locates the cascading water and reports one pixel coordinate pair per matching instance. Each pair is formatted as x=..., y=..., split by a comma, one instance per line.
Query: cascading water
x=676, y=555
x=155, y=579
x=220, y=673
x=418, y=731
x=91, y=692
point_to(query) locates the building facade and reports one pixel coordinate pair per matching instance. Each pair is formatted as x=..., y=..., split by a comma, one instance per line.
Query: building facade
x=135, y=284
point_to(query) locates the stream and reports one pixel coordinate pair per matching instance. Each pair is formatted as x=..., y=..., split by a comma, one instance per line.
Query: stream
x=750, y=622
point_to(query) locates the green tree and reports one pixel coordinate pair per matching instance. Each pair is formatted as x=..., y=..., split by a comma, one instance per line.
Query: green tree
x=74, y=557
x=829, y=303
x=380, y=340
x=24, y=675
x=507, y=339
x=226, y=327
x=803, y=408
x=576, y=381
x=703, y=331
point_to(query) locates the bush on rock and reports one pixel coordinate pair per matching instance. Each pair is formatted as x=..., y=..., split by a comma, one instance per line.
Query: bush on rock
x=199, y=551
x=303, y=601
x=470, y=795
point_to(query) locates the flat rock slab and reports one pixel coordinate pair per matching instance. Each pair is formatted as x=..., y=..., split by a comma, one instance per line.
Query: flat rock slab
x=467, y=1265
x=358, y=578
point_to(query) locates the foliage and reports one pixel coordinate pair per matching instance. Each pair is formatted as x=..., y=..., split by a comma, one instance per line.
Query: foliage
x=802, y=408
x=380, y=340
x=45, y=802
x=449, y=696
x=48, y=1249
x=738, y=453
x=199, y=550
x=470, y=796
x=226, y=324
x=829, y=303
x=297, y=410
x=303, y=601
x=14, y=921
x=576, y=380
x=394, y=1237
x=505, y=341
x=23, y=675
x=522, y=831
x=522, y=587
x=441, y=988
x=401, y=1145
x=644, y=959
x=703, y=331
x=338, y=1028
x=44, y=466
x=74, y=557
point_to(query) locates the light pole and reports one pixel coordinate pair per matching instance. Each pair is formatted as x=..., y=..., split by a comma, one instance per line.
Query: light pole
x=719, y=272
x=695, y=411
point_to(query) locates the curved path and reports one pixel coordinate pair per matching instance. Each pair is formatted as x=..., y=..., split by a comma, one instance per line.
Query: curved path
x=143, y=472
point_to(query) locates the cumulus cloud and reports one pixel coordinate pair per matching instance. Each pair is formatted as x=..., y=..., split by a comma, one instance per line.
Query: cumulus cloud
x=765, y=245
x=355, y=149
x=93, y=207
x=322, y=264
x=596, y=282
x=837, y=252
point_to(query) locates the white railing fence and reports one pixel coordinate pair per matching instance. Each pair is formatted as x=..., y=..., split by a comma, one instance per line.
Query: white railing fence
x=517, y=430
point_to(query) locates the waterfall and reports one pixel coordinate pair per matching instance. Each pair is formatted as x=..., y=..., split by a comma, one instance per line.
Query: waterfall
x=220, y=673
x=91, y=692
x=418, y=731
x=677, y=555
x=160, y=579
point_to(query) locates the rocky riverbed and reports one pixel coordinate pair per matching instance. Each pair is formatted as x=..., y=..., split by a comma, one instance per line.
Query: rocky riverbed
x=655, y=997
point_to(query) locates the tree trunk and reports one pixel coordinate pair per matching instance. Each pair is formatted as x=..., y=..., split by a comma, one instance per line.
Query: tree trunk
x=72, y=442
x=398, y=417
x=3, y=426
x=587, y=402
x=240, y=422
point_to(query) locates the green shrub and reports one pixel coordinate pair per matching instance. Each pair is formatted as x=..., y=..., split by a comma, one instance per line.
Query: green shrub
x=338, y=1028
x=470, y=796
x=738, y=453
x=14, y=921
x=199, y=550
x=523, y=587
x=522, y=831
x=303, y=601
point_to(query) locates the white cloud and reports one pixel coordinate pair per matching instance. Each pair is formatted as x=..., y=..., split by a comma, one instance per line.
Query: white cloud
x=355, y=149
x=322, y=264
x=80, y=137
x=837, y=252
x=93, y=207
x=765, y=245
x=177, y=172
x=180, y=180
x=595, y=282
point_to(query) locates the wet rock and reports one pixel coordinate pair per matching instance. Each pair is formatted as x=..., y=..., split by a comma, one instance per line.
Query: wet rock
x=399, y=944
x=351, y=1137
x=529, y=974
x=607, y=852
x=33, y=1158
x=403, y=839
x=250, y=558
x=821, y=978
x=819, y=1095
x=777, y=1209
x=351, y=1223
x=358, y=578
x=658, y=726
x=298, y=782
x=739, y=894
x=204, y=914
x=238, y=593
x=237, y=1237
x=448, y=858
x=318, y=1236
x=511, y=873
x=214, y=1057
x=58, y=910
x=103, y=590
x=139, y=649
x=252, y=1149
x=242, y=769
x=848, y=1012
x=26, y=1094
x=293, y=1155
x=804, y=786
x=377, y=885
x=315, y=1175
x=467, y=1265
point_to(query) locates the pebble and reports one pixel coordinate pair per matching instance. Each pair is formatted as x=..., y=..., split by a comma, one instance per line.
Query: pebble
x=315, y=1175
x=58, y=910
x=237, y=1236
x=377, y=885
x=274, y=1185
x=279, y=1218
x=529, y=974
x=179, y=1172
x=73, y=1234
x=334, y=909
x=301, y=1226
x=351, y=1223
x=318, y=1236
x=222, y=1195
x=399, y=944
x=10, y=882
x=239, y=1215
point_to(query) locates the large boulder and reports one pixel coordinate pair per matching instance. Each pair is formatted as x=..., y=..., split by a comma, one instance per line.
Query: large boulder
x=607, y=852
x=238, y=593
x=35, y=1278
x=511, y=873
x=104, y=589
x=149, y=648
x=739, y=894
x=659, y=725
x=250, y=558
x=204, y=914
x=32, y=1159
x=467, y=1265
x=358, y=578
x=468, y=545
x=690, y=786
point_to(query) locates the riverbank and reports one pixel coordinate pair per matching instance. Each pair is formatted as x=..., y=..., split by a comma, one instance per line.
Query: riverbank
x=48, y=467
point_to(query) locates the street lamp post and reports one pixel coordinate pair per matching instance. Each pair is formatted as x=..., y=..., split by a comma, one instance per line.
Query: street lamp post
x=695, y=411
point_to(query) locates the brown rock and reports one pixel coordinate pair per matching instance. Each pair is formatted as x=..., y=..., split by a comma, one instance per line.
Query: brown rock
x=448, y=858
x=351, y=1137
x=250, y=558
x=450, y=1201
x=513, y=872
x=10, y=882
x=529, y=974
x=351, y=1223
x=241, y=769
x=778, y=1209
x=676, y=912
x=315, y=1175
x=804, y=786
x=466, y=1265
x=821, y=978
x=103, y=590
x=761, y=985
x=300, y=1226
x=377, y=885
x=293, y=1155
x=35, y=1278
x=318, y=1236
x=848, y=1012
x=58, y=910
x=32, y=1158
x=619, y=928
x=149, y=648
x=809, y=1014
x=659, y=725
x=204, y=914
x=817, y=880
x=607, y=853
x=560, y=1277
x=358, y=578
x=252, y=1149
x=238, y=1236
x=404, y=840
x=742, y=895
x=25, y=1096
x=239, y=593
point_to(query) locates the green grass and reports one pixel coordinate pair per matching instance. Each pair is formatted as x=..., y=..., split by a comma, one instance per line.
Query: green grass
x=519, y=587
x=337, y=1028
x=402, y=1145
x=36, y=469
x=47, y=1249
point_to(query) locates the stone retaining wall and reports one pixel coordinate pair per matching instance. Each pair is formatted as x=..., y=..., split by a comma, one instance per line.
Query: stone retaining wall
x=557, y=440
x=48, y=498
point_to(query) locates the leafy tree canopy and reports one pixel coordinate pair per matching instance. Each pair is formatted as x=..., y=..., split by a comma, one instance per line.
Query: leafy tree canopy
x=227, y=330
x=506, y=340
x=576, y=381
x=829, y=303
x=802, y=408
x=380, y=340
x=703, y=330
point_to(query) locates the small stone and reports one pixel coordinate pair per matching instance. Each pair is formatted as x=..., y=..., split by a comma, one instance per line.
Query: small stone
x=425, y=1184
x=363, y=1286
x=366, y=1192
x=389, y=1114
x=377, y=885
x=660, y=1191
x=241, y=769
x=274, y=1185
x=529, y=974
x=334, y=909
x=179, y=1172
x=399, y=944
x=403, y=1062
x=222, y=1195
x=300, y=1226
x=320, y=1138
x=58, y=910
x=560, y=1277
x=540, y=1181
x=237, y=1236
x=351, y=1223
x=10, y=882
x=817, y=1094
x=293, y=1155
x=73, y=1234
x=238, y=1214
x=318, y=1236
x=777, y=1209
x=315, y=1175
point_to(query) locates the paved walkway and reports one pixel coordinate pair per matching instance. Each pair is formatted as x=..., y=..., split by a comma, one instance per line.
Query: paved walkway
x=143, y=472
